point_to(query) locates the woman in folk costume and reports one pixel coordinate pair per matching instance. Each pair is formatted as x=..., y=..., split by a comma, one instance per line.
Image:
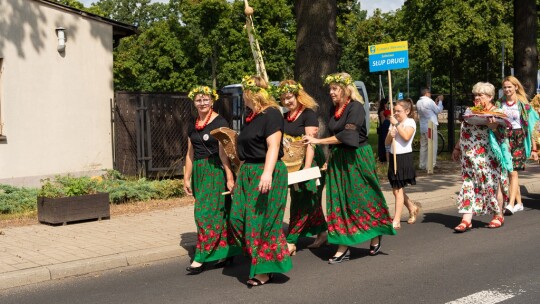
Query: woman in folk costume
x=485, y=162
x=356, y=208
x=208, y=174
x=306, y=214
x=260, y=194
x=523, y=117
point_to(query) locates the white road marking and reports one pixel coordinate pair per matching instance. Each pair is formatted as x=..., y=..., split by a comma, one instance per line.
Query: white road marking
x=483, y=297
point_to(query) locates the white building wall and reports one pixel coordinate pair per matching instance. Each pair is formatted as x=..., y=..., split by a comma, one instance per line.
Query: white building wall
x=55, y=106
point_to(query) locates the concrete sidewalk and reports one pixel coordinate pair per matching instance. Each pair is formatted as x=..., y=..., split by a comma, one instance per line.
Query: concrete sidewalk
x=38, y=253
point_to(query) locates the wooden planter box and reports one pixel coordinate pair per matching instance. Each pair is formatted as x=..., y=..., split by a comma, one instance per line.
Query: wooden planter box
x=71, y=209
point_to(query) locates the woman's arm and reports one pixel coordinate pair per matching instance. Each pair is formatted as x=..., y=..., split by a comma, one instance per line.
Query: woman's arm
x=310, y=151
x=188, y=169
x=456, y=153
x=273, y=143
x=405, y=132
x=227, y=166
x=320, y=141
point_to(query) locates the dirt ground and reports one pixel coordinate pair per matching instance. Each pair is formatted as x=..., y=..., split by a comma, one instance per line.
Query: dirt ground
x=116, y=210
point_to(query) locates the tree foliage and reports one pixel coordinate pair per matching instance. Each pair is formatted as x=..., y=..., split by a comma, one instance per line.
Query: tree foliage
x=459, y=39
x=186, y=42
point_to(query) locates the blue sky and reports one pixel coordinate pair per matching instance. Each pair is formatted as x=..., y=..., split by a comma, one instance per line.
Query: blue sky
x=369, y=5
x=384, y=5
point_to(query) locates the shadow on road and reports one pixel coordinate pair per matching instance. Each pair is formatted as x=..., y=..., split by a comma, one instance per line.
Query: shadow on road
x=188, y=241
x=449, y=221
x=530, y=200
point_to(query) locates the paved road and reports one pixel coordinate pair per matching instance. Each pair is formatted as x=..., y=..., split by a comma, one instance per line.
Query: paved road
x=424, y=263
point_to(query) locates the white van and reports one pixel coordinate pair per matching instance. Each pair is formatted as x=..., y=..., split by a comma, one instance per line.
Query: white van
x=363, y=92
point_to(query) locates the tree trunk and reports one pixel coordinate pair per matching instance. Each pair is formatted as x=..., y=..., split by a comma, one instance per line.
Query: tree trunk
x=525, y=52
x=316, y=52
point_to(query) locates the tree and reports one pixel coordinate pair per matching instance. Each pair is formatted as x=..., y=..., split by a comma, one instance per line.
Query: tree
x=140, y=13
x=462, y=38
x=72, y=3
x=157, y=60
x=525, y=47
x=350, y=20
x=316, y=50
x=206, y=22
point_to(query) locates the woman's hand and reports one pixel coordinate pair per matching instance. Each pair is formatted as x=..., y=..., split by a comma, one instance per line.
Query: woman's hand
x=265, y=184
x=456, y=155
x=230, y=184
x=492, y=123
x=187, y=187
x=306, y=140
x=392, y=131
x=393, y=120
x=534, y=155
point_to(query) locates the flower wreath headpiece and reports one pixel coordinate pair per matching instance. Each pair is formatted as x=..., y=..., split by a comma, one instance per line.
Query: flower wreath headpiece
x=248, y=83
x=203, y=90
x=289, y=88
x=338, y=78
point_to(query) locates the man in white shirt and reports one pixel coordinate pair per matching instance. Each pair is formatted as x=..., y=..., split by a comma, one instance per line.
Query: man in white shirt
x=428, y=110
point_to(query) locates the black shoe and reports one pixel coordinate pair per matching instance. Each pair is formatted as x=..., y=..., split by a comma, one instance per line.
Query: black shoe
x=374, y=250
x=254, y=282
x=344, y=257
x=224, y=262
x=508, y=210
x=195, y=270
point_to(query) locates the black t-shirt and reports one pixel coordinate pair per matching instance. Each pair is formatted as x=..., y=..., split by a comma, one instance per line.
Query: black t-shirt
x=204, y=144
x=308, y=118
x=251, y=143
x=350, y=128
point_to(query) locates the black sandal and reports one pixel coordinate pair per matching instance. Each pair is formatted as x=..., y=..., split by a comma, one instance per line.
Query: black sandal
x=374, y=250
x=252, y=282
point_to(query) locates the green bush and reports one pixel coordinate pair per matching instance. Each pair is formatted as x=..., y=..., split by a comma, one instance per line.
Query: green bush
x=121, y=190
x=17, y=200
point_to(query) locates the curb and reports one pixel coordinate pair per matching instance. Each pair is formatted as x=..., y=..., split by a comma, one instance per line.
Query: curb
x=87, y=266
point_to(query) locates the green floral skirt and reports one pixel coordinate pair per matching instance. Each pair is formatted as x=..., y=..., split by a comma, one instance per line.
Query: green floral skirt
x=211, y=211
x=356, y=208
x=306, y=214
x=256, y=219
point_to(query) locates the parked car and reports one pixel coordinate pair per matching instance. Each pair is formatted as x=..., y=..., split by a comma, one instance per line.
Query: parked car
x=363, y=92
x=237, y=104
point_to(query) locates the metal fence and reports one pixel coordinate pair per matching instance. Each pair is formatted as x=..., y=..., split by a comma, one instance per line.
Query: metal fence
x=150, y=131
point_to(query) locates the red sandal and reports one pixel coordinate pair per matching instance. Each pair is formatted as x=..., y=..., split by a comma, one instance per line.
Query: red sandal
x=463, y=226
x=496, y=222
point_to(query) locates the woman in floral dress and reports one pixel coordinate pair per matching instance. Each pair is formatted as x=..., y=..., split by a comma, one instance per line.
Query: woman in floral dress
x=260, y=195
x=306, y=214
x=208, y=174
x=355, y=205
x=485, y=162
x=515, y=105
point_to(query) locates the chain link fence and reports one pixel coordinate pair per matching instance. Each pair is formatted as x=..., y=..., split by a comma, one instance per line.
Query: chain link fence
x=150, y=131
